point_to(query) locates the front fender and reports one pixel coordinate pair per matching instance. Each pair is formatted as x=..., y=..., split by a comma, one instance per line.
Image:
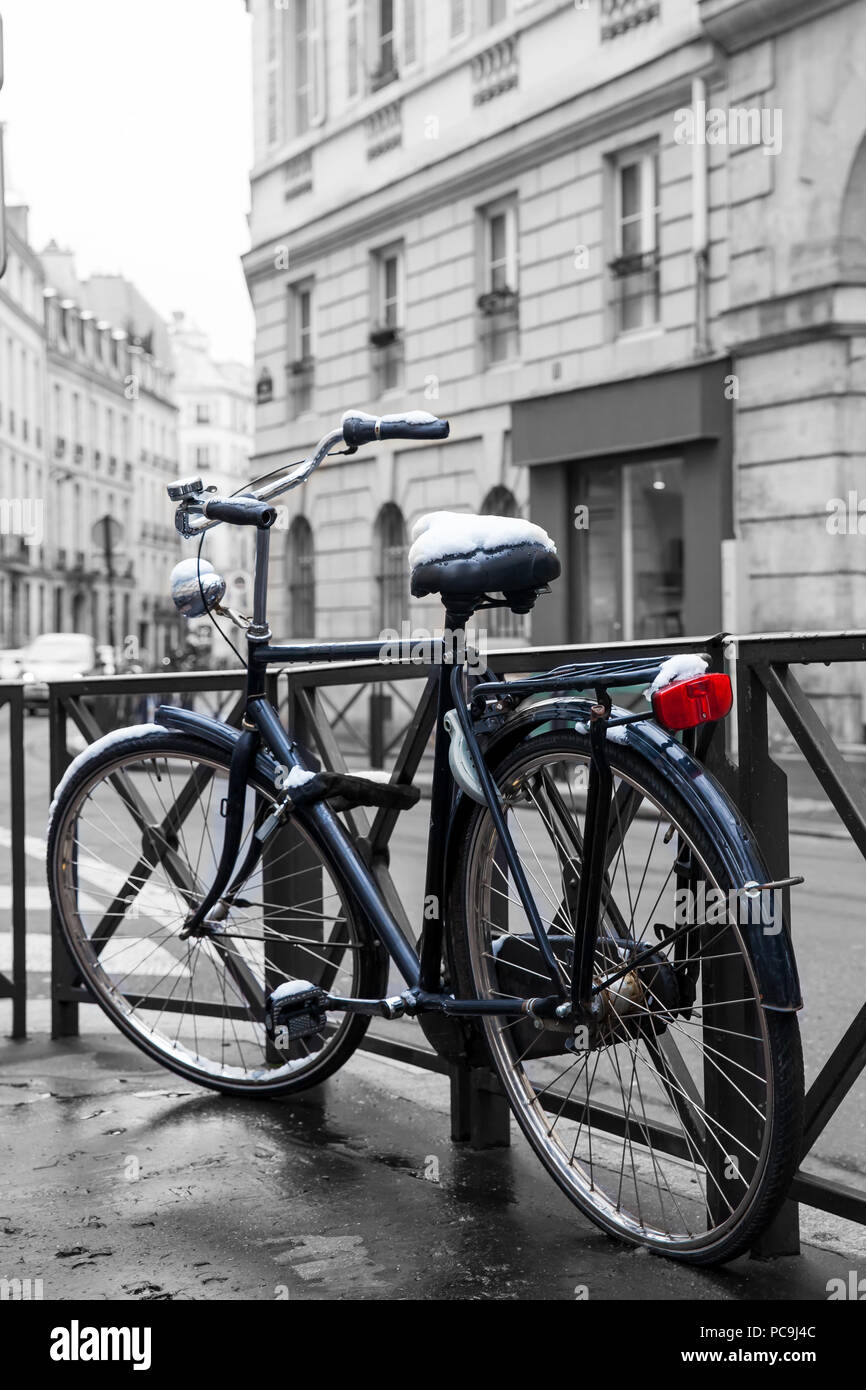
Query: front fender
x=771, y=953
x=223, y=736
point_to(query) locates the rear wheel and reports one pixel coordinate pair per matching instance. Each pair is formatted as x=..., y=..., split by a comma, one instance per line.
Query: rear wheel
x=678, y=1125
x=134, y=843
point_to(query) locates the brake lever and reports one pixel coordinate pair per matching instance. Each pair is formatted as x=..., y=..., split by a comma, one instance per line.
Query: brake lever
x=191, y=508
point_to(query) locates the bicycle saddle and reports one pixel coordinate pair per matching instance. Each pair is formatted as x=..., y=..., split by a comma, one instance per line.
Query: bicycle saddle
x=459, y=554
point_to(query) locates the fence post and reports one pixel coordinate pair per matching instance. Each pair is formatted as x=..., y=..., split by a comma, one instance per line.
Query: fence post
x=762, y=795
x=64, y=1012
x=19, y=868
x=293, y=886
x=377, y=711
x=480, y=1113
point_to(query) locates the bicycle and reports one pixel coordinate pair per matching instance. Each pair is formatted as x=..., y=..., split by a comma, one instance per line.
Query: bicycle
x=219, y=910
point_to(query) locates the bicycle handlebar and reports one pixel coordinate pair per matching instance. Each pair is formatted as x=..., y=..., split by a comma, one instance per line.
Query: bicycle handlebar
x=356, y=429
x=359, y=428
x=240, y=511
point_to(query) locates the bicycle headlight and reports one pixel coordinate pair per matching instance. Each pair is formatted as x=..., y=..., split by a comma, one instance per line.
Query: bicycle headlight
x=196, y=588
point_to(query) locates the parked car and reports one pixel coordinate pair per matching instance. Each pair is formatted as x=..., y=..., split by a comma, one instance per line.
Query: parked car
x=10, y=663
x=54, y=656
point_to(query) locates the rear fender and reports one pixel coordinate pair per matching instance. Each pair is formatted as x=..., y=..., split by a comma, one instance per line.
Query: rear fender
x=769, y=945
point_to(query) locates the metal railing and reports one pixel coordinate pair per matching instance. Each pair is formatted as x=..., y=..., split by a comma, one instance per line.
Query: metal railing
x=306, y=696
x=14, y=985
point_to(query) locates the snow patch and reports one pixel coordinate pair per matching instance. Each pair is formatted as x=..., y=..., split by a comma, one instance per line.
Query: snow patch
x=446, y=535
x=95, y=750
x=676, y=668
x=298, y=776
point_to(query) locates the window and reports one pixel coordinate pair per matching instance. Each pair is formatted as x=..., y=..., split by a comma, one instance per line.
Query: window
x=632, y=555
x=635, y=268
x=302, y=363
x=498, y=301
x=386, y=338
x=308, y=61
x=302, y=581
x=354, y=49
x=501, y=622
x=202, y=456
x=384, y=57
x=274, y=73
x=459, y=18
x=391, y=575
x=497, y=10
x=202, y=414
x=409, y=43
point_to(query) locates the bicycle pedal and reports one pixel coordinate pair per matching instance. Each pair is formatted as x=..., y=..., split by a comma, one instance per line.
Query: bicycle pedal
x=295, y=1010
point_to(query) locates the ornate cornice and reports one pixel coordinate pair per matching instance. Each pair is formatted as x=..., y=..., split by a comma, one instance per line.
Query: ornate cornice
x=737, y=24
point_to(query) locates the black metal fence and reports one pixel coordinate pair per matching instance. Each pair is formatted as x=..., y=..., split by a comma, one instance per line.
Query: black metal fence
x=316, y=702
x=14, y=985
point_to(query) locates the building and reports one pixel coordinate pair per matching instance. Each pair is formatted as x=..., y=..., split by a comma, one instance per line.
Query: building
x=215, y=405
x=112, y=444
x=151, y=386
x=25, y=550
x=620, y=245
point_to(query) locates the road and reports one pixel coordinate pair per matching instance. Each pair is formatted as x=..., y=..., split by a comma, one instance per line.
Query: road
x=829, y=931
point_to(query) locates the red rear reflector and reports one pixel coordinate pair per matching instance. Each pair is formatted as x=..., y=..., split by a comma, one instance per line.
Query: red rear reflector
x=685, y=704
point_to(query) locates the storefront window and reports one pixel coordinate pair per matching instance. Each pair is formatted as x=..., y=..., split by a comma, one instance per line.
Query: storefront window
x=633, y=549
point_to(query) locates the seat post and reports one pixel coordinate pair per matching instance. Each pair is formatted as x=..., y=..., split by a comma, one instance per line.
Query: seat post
x=441, y=800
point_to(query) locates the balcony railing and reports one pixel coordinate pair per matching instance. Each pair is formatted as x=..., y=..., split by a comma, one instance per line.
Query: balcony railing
x=301, y=383
x=636, y=287
x=384, y=130
x=499, y=327
x=388, y=354
x=495, y=71
x=619, y=16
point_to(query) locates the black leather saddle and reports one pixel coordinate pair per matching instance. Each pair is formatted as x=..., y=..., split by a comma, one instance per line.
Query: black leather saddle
x=464, y=557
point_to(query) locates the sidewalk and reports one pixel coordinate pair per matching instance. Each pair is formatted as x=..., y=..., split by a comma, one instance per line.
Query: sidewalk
x=124, y=1182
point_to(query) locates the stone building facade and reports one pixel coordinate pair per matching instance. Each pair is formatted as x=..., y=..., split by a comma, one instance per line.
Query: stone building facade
x=88, y=432
x=620, y=244
x=26, y=549
x=112, y=427
x=215, y=442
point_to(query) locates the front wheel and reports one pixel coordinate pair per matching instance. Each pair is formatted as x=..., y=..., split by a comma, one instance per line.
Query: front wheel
x=133, y=845
x=677, y=1124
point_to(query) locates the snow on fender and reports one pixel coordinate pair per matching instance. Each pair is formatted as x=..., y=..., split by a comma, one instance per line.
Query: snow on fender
x=95, y=750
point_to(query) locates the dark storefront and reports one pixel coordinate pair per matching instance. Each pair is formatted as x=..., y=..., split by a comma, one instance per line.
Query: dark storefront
x=633, y=481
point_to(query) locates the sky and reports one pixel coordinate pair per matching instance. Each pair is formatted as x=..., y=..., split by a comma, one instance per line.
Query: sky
x=129, y=135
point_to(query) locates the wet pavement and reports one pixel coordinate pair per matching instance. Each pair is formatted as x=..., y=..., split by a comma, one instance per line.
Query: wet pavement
x=121, y=1181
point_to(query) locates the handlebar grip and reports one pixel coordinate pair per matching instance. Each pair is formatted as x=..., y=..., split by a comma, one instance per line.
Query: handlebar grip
x=241, y=511
x=359, y=428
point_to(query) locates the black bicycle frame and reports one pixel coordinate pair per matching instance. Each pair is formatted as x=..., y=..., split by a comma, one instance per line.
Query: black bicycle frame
x=422, y=969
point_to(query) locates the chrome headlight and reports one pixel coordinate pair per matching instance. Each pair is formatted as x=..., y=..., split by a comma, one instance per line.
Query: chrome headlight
x=192, y=578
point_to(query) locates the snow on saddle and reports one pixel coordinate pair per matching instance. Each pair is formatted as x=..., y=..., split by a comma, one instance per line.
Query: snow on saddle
x=463, y=557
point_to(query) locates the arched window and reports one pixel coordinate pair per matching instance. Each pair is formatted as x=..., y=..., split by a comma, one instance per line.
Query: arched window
x=302, y=579
x=853, y=221
x=392, y=579
x=501, y=622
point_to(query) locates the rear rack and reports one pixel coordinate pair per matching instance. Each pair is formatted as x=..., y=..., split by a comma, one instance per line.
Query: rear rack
x=604, y=675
